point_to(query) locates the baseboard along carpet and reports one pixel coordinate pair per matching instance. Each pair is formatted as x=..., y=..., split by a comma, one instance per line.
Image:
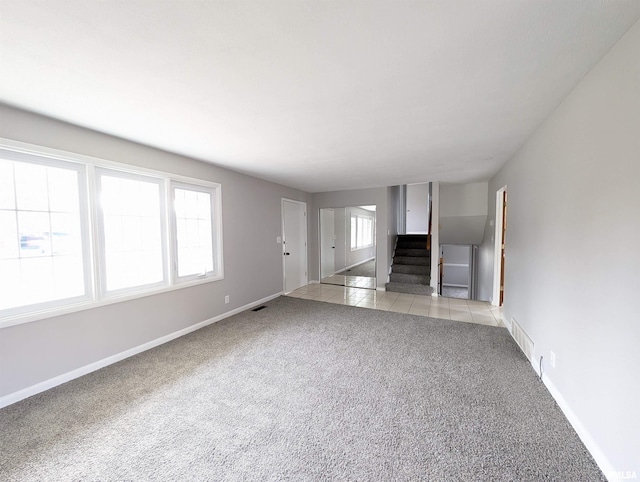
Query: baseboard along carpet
x=303, y=390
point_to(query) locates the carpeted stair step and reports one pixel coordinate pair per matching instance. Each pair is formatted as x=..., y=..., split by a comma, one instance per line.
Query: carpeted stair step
x=410, y=288
x=413, y=237
x=412, y=252
x=411, y=245
x=412, y=260
x=409, y=278
x=411, y=269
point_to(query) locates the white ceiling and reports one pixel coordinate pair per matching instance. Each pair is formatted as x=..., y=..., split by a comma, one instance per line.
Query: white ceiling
x=318, y=95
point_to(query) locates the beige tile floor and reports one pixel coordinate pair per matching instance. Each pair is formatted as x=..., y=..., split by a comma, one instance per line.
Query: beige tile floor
x=353, y=281
x=469, y=311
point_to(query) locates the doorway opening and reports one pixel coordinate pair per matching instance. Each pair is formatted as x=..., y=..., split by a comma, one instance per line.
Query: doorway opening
x=499, y=238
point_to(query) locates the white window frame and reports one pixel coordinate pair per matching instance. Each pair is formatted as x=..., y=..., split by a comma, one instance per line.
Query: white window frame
x=95, y=296
x=83, y=212
x=213, y=189
x=100, y=241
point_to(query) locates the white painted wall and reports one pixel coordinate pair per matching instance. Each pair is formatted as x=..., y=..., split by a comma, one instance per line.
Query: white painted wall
x=572, y=253
x=34, y=352
x=463, y=212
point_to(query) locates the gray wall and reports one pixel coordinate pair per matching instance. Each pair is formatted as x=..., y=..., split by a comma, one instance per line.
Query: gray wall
x=34, y=352
x=355, y=197
x=463, y=212
x=394, y=219
x=572, y=252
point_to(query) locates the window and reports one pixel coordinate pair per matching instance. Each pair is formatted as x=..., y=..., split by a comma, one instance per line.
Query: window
x=194, y=246
x=151, y=232
x=42, y=236
x=131, y=214
x=361, y=231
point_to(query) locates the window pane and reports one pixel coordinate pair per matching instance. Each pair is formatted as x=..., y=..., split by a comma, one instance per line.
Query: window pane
x=194, y=237
x=68, y=276
x=10, y=285
x=65, y=234
x=33, y=240
x=8, y=235
x=360, y=231
x=7, y=194
x=31, y=186
x=132, y=223
x=35, y=233
x=63, y=190
x=354, y=240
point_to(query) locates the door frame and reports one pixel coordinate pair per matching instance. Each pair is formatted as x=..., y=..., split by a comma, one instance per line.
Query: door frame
x=497, y=252
x=306, y=249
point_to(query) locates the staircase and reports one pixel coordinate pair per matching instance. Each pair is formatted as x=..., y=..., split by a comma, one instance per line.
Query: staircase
x=411, y=268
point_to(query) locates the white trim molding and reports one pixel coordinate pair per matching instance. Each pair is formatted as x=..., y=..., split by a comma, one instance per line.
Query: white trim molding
x=497, y=250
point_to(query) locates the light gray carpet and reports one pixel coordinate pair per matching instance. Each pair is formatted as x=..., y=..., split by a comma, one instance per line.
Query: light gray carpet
x=366, y=269
x=303, y=390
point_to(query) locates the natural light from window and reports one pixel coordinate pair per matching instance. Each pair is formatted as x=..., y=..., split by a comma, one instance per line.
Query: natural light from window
x=41, y=250
x=132, y=226
x=194, y=236
x=78, y=232
x=361, y=231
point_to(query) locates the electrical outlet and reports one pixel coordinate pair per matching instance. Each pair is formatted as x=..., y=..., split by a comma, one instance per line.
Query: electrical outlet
x=552, y=359
x=226, y=299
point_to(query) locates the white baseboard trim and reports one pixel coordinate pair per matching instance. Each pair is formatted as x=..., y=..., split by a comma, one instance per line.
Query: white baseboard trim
x=598, y=455
x=92, y=367
x=507, y=323
x=591, y=445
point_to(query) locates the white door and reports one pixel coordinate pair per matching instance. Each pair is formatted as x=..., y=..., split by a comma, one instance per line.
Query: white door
x=294, y=244
x=327, y=243
x=418, y=208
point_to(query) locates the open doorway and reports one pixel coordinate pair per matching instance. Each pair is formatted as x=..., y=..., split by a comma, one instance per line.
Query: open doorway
x=500, y=238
